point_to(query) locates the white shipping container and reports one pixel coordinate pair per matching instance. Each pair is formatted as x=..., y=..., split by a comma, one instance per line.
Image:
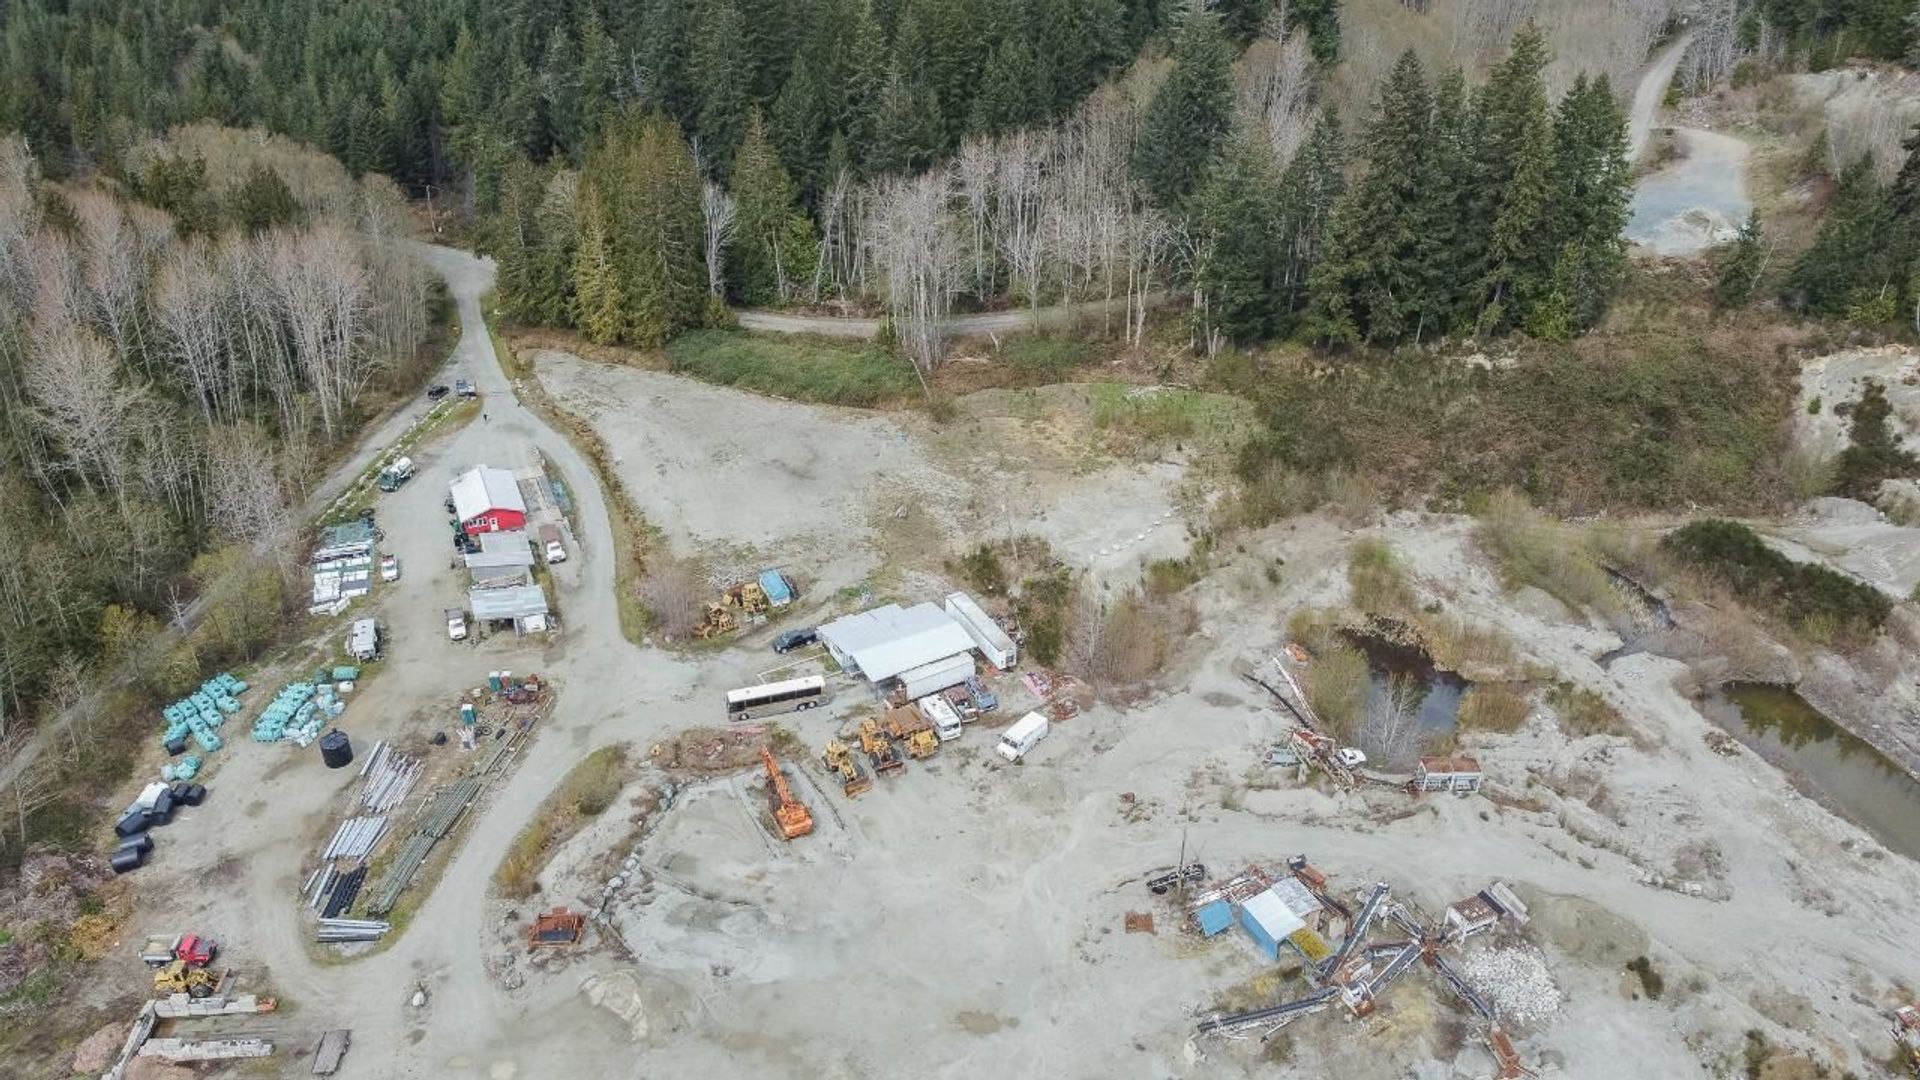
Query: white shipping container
x=994, y=643
x=937, y=676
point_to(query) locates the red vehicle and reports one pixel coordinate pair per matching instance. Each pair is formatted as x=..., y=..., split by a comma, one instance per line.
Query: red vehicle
x=197, y=951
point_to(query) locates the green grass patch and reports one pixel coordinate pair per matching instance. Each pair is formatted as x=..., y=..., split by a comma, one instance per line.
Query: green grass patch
x=1583, y=712
x=586, y=792
x=1162, y=415
x=1047, y=359
x=1820, y=603
x=1377, y=579
x=803, y=369
x=1531, y=550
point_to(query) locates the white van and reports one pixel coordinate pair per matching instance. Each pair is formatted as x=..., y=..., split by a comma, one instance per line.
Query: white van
x=939, y=712
x=1023, y=736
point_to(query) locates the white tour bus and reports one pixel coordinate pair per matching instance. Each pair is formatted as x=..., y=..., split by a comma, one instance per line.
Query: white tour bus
x=753, y=702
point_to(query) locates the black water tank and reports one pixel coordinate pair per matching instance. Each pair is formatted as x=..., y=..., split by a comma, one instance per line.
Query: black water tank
x=127, y=859
x=139, y=842
x=195, y=795
x=132, y=822
x=335, y=750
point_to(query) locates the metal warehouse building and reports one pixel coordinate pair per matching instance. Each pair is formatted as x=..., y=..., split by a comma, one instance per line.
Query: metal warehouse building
x=890, y=640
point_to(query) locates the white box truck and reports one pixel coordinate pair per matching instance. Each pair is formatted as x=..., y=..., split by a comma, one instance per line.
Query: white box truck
x=1023, y=736
x=994, y=643
x=456, y=624
x=939, y=713
x=937, y=676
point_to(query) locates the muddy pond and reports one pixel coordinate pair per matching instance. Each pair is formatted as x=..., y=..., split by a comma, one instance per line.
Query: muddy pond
x=1405, y=674
x=1840, y=769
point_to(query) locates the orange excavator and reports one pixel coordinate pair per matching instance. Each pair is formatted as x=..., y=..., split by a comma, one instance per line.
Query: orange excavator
x=794, y=819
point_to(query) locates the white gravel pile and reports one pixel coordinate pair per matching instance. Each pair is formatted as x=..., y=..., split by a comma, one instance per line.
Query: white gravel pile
x=1515, y=981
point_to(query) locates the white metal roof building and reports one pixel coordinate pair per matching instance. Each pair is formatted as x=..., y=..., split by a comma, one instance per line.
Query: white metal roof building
x=890, y=639
x=483, y=489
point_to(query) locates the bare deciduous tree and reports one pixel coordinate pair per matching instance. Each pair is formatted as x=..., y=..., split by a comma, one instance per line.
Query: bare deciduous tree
x=716, y=211
x=914, y=247
x=675, y=596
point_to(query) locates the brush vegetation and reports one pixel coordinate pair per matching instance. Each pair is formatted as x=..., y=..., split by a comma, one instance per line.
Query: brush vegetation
x=589, y=788
x=1819, y=603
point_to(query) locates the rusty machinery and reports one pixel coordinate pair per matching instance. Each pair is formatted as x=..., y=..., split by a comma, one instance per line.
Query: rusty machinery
x=839, y=758
x=913, y=730
x=881, y=753
x=793, y=818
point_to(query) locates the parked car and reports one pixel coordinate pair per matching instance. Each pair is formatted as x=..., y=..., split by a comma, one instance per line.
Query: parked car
x=793, y=639
x=983, y=699
x=464, y=388
x=390, y=568
x=437, y=391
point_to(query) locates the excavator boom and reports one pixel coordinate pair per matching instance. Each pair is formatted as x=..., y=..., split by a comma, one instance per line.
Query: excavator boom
x=794, y=819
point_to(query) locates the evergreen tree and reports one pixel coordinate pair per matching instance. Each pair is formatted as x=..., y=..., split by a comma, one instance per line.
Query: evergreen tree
x=1509, y=106
x=556, y=229
x=1740, y=268
x=595, y=86
x=561, y=101
x=1321, y=21
x=803, y=125
x=1592, y=192
x=1238, y=257
x=1850, y=262
x=1369, y=284
x=867, y=83
x=1190, y=114
x=1904, y=197
x=1518, y=254
x=1242, y=20
x=653, y=213
x=1445, y=200
x=1011, y=90
x=773, y=245
x=263, y=201
x=721, y=82
x=906, y=128
x=767, y=47
x=665, y=57
x=599, y=309
x=1309, y=190
x=513, y=241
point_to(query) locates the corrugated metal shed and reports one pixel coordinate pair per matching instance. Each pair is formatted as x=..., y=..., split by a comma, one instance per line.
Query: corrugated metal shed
x=517, y=602
x=890, y=639
x=1214, y=917
x=1298, y=898
x=1268, y=921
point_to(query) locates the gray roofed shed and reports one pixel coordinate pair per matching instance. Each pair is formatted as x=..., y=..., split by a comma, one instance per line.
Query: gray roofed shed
x=516, y=602
x=890, y=639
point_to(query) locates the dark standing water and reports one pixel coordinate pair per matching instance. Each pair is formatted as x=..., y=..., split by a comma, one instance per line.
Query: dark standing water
x=1843, y=770
x=1407, y=670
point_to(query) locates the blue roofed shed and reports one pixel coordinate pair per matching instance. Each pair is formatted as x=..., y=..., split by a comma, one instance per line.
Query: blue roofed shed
x=1268, y=920
x=1214, y=917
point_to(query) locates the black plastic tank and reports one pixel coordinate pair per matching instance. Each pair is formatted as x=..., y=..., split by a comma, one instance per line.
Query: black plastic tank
x=139, y=842
x=126, y=860
x=335, y=750
x=132, y=822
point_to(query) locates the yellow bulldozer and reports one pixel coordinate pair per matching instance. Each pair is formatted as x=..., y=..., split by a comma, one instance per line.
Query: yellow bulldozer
x=179, y=977
x=880, y=750
x=854, y=780
x=914, y=731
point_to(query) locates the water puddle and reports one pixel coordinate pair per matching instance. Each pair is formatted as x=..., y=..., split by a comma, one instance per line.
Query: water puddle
x=1405, y=673
x=1840, y=769
x=1695, y=202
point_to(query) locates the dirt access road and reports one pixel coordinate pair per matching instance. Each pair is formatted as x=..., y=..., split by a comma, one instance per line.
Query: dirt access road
x=1697, y=200
x=1021, y=321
